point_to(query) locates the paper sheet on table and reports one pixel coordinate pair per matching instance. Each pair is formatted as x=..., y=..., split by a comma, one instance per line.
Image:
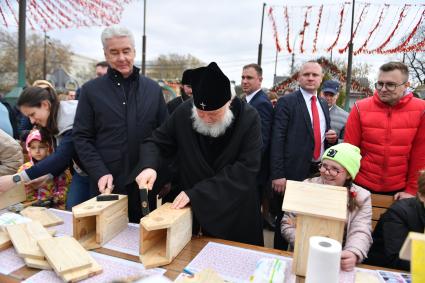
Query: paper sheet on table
x=66, y=227
x=10, y=261
x=236, y=264
x=113, y=269
x=127, y=241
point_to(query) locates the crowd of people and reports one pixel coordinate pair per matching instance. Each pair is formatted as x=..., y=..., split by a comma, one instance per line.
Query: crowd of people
x=227, y=157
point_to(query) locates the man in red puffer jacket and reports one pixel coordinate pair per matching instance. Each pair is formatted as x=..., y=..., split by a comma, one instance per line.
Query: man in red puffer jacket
x=389, y=129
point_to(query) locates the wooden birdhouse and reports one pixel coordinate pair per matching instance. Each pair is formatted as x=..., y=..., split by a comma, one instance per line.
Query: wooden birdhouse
x=321, y=211
x=163, y=234
x=97, y=222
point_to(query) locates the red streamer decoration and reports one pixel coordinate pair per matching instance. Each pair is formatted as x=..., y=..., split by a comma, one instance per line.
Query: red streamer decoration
x=400, y=19
x=402, y=46
x=276, y=36
x=287, y=30
x=12, y=11
x=305, y=25
x=363, y=46
x=4, y=18
x=342, y=50
x=316, y=33
x=49, y=14
x=341, y=16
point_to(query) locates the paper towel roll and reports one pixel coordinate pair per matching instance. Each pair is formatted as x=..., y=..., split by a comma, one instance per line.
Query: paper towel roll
x=323, y=261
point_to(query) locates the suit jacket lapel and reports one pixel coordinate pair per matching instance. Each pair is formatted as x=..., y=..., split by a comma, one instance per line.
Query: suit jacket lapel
x=304, y=110
x=325, y=109
x=258, y=94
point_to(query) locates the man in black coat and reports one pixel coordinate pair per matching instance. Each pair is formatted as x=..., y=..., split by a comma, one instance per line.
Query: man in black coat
x=295, y=154
x=115, y=113
x=217, y=139
x=185, y=92
x=404, y=216
x=252, y=77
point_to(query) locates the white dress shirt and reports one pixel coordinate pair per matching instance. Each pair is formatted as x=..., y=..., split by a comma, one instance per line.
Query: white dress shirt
x=248, y=97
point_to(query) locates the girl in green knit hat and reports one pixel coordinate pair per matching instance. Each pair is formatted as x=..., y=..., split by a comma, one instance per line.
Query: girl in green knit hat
x=340, y=165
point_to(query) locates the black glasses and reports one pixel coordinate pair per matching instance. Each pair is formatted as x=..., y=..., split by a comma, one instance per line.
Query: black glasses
x=389, y=86
x=331, y=170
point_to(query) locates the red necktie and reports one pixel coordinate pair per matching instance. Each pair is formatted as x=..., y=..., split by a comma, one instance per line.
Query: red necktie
x=316, y=129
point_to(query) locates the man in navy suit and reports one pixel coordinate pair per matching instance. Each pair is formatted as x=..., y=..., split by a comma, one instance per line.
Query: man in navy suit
x=252, y=77
x=294, y=153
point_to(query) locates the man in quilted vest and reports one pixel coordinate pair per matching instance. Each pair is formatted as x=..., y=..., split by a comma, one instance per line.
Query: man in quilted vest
x=389, y=128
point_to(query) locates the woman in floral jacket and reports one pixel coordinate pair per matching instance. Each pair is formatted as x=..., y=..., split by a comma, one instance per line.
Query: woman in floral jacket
x=340, y=164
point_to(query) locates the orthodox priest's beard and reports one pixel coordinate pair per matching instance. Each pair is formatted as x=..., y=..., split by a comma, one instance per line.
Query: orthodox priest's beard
x=214, y=130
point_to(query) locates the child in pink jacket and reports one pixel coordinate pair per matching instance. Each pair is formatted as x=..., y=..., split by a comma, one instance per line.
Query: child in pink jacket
x=340, y=164
x=53, y=189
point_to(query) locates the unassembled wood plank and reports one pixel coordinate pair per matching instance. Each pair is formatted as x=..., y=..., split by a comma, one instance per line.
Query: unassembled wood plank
x=316, y=200
x=43, y=215
x=37, y=263
x=12, y=196
x=205, y=276
x=65, y=254
x=83, y=273
x=25, y=236
x=5, y=241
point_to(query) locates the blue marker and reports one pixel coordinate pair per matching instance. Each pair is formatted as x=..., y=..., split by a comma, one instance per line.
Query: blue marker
x=187, y=271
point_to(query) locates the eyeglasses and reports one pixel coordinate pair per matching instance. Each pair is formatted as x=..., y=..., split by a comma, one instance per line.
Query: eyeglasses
x=389, y=86
x=331, y=170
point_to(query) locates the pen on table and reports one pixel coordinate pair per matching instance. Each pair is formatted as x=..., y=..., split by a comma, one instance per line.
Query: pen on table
x=187, y=271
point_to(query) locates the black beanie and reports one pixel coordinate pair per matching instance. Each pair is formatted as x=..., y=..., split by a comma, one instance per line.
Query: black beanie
x=211, y=87
x=186, y=77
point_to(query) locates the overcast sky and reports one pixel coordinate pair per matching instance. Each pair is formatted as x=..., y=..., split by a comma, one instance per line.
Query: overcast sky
x=224, y=31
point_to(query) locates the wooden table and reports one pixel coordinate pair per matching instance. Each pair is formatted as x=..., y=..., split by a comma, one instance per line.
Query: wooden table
x=174, y=268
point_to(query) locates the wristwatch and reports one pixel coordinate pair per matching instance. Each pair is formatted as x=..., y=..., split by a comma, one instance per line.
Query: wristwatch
x=16, y=179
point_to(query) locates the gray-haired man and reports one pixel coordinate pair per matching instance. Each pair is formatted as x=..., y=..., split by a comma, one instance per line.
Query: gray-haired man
x=115, y=113
x=330, y=92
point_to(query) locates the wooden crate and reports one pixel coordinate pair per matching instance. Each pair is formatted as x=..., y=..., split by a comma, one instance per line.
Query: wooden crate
x=97, y=222
x=163, y=234
x=321, y=211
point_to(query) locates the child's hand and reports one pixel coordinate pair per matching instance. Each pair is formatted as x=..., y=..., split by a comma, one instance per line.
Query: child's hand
x=348, y=260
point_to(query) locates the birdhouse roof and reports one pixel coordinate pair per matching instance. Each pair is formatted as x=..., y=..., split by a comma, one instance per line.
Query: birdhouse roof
x=319, y=200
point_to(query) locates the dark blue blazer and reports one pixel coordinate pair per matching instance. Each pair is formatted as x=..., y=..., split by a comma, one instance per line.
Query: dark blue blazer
x=292, y=143
x=264, y=107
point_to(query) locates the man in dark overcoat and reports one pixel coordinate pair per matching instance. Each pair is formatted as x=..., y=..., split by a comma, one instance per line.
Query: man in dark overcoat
x=115, y=113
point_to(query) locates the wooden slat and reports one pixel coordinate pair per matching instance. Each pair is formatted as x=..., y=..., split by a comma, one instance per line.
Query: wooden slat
x=41, y=214
x=382, y=200
x=25, y=236
x=65, y=254
x=377, y=212
x=374, y=223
